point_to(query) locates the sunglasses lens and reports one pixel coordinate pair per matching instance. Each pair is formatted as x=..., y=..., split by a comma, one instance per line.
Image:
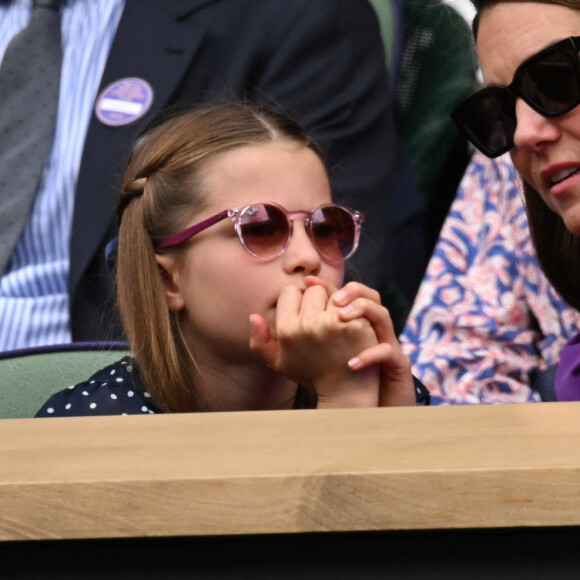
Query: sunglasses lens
x=551, y=83
x=489, y=119
x=264, y=230
x=334, y=233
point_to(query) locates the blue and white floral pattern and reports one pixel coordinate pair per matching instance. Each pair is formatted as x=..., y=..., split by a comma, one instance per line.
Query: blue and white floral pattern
x=485, y=316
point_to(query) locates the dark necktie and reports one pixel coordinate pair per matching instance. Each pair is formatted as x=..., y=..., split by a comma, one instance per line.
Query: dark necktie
x=29, y=87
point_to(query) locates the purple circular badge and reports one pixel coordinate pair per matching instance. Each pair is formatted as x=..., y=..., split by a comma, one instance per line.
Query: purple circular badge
x=124, y=101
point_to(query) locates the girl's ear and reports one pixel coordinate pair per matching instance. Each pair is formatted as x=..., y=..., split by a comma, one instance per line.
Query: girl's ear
x=171, y=281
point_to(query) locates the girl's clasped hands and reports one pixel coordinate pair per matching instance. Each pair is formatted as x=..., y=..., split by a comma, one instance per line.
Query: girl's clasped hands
x=339, y=343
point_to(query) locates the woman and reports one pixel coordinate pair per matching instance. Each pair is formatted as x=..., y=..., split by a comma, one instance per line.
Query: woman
x=230, y=259
x=529, y=59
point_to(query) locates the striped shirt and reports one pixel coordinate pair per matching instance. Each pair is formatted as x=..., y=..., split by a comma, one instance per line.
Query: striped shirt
x=34, y=301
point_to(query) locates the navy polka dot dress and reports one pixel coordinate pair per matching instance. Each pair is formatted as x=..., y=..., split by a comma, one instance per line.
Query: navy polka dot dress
x=114, y=390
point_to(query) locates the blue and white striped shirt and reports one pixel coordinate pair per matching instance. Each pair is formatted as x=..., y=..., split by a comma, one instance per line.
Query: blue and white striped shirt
x=34, y=301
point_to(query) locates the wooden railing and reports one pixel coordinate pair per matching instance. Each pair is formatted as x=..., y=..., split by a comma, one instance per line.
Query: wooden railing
x=500, y=466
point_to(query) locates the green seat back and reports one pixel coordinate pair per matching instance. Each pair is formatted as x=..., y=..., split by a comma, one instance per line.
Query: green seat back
x=28, y=377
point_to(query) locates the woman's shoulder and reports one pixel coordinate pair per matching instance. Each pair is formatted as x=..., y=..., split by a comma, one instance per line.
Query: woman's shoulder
x=114, y=390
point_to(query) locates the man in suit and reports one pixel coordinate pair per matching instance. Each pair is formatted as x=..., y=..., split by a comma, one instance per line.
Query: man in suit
x=321, y=60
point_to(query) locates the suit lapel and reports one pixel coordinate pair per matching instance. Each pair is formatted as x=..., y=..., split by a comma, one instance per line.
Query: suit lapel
x=152, y=44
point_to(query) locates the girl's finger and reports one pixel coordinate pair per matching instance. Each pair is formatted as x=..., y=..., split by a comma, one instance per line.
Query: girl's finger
x=316, y=281
x=314, y=301
x=354, y=290
x=376, y=314
x=397, y=386
x=261, y=342
x=288, y=307
x=380, y=353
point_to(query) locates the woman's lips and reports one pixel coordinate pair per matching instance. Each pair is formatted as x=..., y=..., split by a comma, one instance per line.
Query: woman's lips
x=559, y=178
x=564, y=174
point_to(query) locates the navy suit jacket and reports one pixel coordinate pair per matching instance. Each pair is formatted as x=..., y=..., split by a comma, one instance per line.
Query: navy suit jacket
x=321, y=60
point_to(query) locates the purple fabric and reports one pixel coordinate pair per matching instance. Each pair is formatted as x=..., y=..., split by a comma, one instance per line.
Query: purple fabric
x=567, y=382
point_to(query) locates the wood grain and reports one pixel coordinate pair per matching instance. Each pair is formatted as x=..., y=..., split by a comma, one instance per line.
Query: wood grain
x=290, y=471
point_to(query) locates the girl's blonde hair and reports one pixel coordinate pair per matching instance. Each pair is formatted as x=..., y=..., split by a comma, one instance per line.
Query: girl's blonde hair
x=160, y=194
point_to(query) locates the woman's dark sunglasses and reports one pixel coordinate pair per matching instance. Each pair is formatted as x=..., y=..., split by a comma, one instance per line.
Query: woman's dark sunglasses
x=549, y=82
x=265, y=230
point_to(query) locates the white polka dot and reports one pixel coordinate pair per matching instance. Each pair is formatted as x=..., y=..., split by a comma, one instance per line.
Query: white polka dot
x=129, y=369
x=85, y=394
x=130, y=393
x=50, y=410
x=71, y=387
x=92, y=382
x=146, y=394
x=144, y=409
x=119, y=379
x=113, y=372
x=93, y=405
x=151, y=412
x=113, y=396
x=68, y=406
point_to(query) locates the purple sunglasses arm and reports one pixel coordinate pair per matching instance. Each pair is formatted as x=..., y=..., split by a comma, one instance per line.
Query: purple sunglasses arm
x=184, y=235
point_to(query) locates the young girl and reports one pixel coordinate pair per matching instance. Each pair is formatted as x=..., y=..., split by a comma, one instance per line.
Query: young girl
x=230, y=259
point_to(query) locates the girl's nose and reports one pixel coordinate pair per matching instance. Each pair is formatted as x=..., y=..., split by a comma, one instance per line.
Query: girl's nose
x=533, y=130
x=301, y=254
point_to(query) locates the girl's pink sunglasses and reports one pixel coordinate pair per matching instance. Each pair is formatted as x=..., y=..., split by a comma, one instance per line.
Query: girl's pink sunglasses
x=265, y=230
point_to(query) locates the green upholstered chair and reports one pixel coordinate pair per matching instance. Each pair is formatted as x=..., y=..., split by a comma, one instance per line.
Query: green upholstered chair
x=29, y=376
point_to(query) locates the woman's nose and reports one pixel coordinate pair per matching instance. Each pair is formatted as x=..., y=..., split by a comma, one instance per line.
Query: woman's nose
x=533, y=130
x=301, y=254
